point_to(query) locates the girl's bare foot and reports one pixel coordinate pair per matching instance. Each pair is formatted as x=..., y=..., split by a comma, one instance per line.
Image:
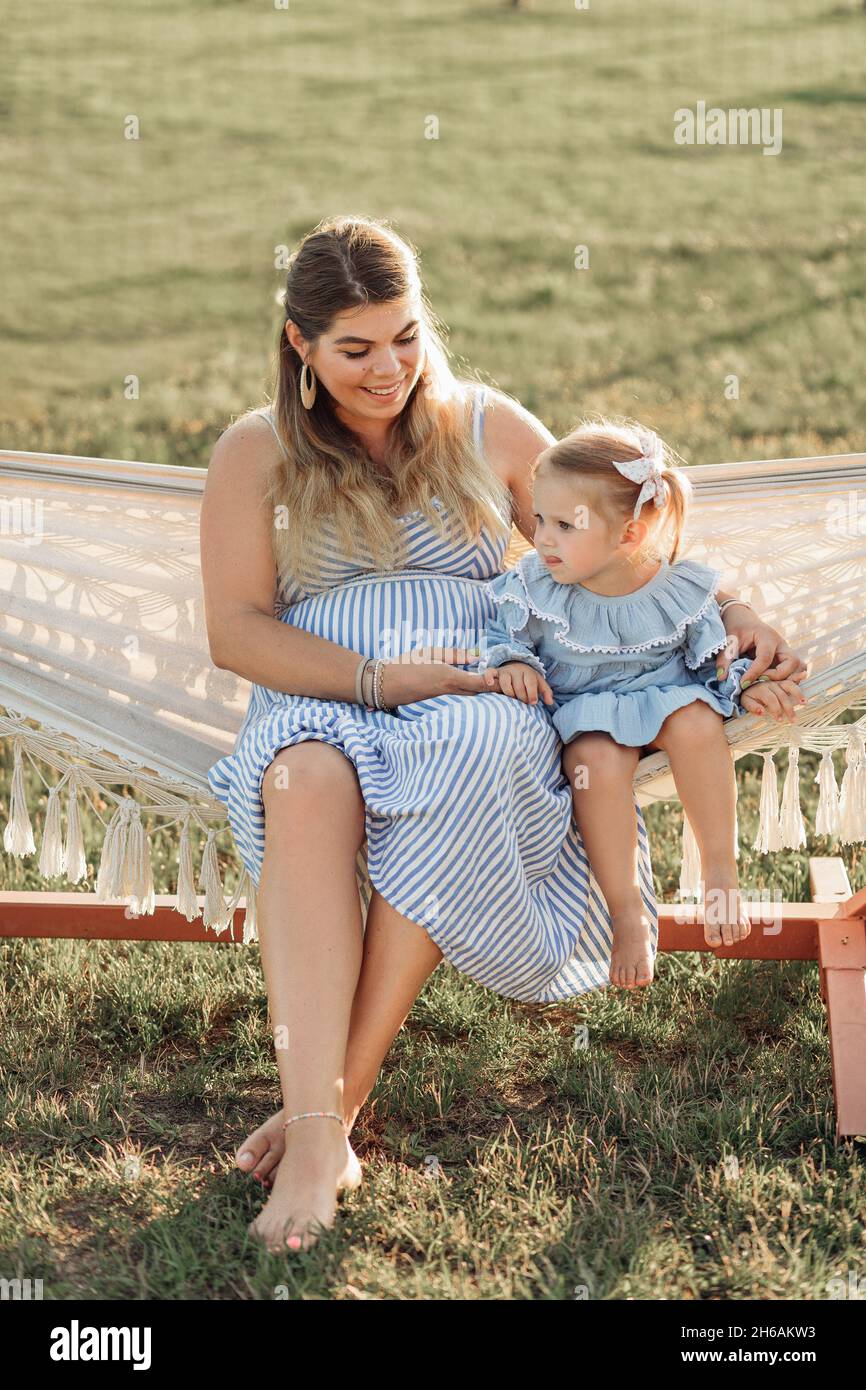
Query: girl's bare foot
x=725, y=920
x=318, y=1163
x=631, y=959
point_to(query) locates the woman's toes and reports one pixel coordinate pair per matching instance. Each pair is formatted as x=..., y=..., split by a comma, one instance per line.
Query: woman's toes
x=267, y=1163
x=257, y=1147
x=252, y=1150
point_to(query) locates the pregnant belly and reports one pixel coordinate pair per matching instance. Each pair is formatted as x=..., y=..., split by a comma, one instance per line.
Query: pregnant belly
x=386, y=615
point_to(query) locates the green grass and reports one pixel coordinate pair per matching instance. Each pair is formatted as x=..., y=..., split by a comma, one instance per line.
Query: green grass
x=133, y=1069
x=156, y=257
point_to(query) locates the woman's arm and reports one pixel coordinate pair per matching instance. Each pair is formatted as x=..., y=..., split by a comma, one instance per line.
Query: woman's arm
x=513, y=439
x=773, y=660
x=240, y=581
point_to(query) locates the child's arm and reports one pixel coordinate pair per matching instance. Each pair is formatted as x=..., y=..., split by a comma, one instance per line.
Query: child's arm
x=508, y=646
x=502, y=646
x=507, y=636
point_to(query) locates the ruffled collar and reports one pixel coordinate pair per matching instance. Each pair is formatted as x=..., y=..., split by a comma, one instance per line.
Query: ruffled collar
x=663, y=608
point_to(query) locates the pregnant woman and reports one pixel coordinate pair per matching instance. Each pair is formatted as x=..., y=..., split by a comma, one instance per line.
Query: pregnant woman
x=359, y=517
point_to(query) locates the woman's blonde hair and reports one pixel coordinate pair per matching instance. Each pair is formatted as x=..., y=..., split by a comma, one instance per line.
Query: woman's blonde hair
x=326, y=474
x=590, y=450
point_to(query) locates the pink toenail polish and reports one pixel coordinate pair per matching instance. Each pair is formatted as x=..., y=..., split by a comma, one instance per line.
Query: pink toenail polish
x=294, y=1242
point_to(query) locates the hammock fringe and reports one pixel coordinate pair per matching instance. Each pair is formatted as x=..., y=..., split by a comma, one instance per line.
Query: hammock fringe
x=690, y=869
x=791, y=827
x=125, y=862
x=124, y=867
x=52, y=858
x=852, y=798
x=18, y=835
x=187, y=903
x=827, y=814
x=769, y=836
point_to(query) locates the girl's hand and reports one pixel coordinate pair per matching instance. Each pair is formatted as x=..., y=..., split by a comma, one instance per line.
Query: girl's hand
x=774, y=700
x=522, y=681
x=773, y=657
x=424, y=673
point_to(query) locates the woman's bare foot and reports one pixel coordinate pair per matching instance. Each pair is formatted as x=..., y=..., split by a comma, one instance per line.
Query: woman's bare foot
x=725, y=920
x=318, y=1163
x=262, y=1150
x=631, y=958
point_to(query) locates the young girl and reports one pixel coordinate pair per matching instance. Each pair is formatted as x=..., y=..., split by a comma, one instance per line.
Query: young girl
x=619, y=638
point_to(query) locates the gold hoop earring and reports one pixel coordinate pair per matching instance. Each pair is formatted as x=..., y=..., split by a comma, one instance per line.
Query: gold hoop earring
x=308, y=387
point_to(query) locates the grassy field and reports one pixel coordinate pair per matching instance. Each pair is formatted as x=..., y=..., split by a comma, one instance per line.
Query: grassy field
x=134, y=1069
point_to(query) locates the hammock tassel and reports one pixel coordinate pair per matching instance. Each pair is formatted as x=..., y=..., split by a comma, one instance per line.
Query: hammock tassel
x=74, y=862
x=793, y=831
x=690, y=869
x=110, y=877
x=51, y=859
x=138, y=868
x=769, y=836
x=214, y=913
x=852, y=799
x=187, y=900
x=827, y=814
x=18, y=835
x=251, y=932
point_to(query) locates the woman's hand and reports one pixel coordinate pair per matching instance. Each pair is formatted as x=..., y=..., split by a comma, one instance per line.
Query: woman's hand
x=774, y=659
x=424, y=673
x=520, y=680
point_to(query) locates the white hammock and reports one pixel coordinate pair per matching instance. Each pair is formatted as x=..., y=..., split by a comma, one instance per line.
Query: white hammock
x=103, y=647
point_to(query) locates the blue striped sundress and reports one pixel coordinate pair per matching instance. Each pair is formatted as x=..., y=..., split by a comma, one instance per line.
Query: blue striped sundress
x=468, y=813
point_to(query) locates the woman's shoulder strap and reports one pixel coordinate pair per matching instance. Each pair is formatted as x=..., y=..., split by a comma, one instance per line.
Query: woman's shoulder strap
x=478, y=404
x=267, y=413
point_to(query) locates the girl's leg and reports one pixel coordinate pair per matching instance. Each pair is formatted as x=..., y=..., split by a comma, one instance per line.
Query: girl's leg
x=601, y=774
x=398, y=958
x=703, y=769
x=310, y=938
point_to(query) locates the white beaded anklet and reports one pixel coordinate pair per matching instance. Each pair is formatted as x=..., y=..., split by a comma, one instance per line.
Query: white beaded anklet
x=310, y=1114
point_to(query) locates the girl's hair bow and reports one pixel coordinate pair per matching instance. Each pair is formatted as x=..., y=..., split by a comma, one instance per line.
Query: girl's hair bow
x=647, y=470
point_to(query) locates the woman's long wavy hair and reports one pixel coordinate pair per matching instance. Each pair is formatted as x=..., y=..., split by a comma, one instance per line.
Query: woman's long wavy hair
x=326, y=477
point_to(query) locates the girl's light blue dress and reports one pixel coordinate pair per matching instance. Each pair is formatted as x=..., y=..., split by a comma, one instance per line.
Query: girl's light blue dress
x=469, y=816
x=620, y=664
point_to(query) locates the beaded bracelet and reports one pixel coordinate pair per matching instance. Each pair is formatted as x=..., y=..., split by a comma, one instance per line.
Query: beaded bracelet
x=367, y=684
x=359, y=678
x=379, y=687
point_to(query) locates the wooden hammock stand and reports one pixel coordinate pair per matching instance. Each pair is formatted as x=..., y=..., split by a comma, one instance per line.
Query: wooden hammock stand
x=831, y=929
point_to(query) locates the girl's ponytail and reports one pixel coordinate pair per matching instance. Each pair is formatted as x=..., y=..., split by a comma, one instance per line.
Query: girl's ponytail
x=597, y=448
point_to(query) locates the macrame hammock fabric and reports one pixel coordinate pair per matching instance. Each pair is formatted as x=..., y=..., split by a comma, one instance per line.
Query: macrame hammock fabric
x=103, y=648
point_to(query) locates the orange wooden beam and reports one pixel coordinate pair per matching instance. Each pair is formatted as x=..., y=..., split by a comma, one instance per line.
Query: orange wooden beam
x=789, y=935
x=832, y=933
x=781, y=931
x=854, y=907
x=842, y=954
x=83, y=917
